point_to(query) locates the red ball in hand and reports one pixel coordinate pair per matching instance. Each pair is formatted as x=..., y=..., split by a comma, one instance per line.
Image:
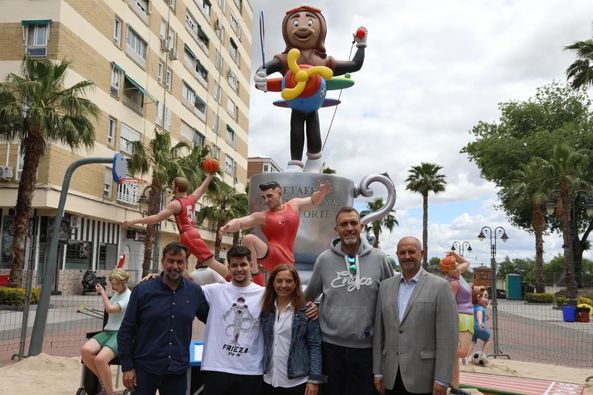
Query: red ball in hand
x=360, y=33
x=210, y=165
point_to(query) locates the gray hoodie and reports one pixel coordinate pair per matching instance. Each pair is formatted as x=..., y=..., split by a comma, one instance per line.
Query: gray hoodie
x=347, y=310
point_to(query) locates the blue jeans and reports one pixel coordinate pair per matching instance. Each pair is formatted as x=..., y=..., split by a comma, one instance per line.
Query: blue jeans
x=167, y=384
x=349, y=370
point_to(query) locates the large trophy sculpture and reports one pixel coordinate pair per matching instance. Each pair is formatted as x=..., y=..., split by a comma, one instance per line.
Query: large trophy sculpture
x=307, y=74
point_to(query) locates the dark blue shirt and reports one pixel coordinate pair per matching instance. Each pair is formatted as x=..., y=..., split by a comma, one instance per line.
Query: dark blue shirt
x=156, y=331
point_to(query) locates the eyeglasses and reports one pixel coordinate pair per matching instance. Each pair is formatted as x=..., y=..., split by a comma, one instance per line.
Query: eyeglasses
x=269, y=185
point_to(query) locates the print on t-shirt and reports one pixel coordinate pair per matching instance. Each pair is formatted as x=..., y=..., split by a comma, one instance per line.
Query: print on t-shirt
x=241, y=320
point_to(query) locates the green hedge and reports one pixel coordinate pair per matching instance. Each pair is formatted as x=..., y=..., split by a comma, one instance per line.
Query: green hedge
x=583, y=299
x=561, y=300
x=539, y=297
x=16, y=296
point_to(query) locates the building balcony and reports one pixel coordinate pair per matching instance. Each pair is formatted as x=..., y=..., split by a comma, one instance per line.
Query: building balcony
x=129, y=192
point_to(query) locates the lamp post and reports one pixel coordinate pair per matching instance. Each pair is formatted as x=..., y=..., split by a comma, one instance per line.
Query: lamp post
x=461, y=246
x=568, y=217
x=493, y=235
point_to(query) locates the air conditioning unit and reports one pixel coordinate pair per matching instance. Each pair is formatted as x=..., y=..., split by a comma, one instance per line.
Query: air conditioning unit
x=75, y=222
x=164, y=44
x=173, y=53
x=5, y=172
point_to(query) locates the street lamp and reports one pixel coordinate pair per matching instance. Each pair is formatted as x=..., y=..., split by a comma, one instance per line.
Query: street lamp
x=461, y=246
x=498, y=232
x=568, y=217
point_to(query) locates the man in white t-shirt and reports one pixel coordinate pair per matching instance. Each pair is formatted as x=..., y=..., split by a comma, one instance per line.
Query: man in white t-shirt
x=233, y=350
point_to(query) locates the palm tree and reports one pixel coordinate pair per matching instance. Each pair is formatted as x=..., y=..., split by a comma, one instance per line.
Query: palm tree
x=566, y=168
x=581, y=70
x=530, y=185
x=424, y=179
x=389, y=221
x=227, y=204
x=36, y=109
x=165, y=163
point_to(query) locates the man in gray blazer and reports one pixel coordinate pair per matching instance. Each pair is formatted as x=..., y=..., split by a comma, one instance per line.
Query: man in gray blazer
x=416, y=328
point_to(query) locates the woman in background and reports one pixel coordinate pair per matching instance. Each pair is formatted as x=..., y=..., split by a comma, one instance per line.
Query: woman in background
x=292, y=342
x=98, y=351
x=453, y=265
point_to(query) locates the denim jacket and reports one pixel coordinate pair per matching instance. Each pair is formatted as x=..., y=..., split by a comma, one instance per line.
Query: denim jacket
x=304, y=356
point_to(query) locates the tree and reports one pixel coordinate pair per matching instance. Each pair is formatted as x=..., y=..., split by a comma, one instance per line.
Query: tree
x=529, y=184
x=389, y=221
x=36, y=109
x=165, y=162
x=566, y=169
x=531, y=128
x=580, y=72
x=424, y=179
x=227, y=204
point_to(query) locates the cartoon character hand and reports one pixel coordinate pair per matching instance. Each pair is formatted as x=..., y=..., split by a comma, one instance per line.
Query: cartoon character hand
x=261, y=80
x=360, y=37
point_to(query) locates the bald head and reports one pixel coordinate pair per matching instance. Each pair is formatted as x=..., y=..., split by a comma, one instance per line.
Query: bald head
x=409, y=254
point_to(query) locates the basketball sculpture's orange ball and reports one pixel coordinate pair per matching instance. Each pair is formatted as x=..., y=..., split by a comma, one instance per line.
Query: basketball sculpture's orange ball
x=210, y=165
x=447, y=264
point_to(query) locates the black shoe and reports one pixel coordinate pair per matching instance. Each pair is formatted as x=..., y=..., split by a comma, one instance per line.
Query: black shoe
x=459, y=391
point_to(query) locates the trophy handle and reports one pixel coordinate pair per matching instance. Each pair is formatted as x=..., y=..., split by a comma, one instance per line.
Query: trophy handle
x=364, y=190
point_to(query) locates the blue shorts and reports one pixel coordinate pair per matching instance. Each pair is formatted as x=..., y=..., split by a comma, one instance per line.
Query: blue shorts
x=482, y=334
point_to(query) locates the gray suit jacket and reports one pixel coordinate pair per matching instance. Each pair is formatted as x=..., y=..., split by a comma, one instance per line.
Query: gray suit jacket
x=423, y=345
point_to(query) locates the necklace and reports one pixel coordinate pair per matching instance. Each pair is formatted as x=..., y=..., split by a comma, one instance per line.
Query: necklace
x=353, y=268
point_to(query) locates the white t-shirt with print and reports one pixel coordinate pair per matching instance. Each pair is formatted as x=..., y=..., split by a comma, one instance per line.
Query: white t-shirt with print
x=233, y=342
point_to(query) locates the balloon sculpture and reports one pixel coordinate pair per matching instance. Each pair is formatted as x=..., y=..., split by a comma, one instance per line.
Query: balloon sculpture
x=307, y=75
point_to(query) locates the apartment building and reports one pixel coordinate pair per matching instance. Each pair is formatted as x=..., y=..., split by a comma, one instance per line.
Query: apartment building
x=258, y=165
x=181, y=66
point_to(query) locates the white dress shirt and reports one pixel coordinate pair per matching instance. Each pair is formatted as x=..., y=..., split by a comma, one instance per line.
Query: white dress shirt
x=277, y=375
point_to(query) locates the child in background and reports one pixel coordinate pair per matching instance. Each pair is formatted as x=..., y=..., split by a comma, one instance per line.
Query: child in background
x=480, y=300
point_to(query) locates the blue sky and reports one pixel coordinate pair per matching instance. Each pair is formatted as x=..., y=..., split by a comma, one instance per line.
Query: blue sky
x=433, y=69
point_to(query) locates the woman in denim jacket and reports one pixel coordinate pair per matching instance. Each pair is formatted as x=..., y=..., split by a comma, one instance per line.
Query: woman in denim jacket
x=292, y=343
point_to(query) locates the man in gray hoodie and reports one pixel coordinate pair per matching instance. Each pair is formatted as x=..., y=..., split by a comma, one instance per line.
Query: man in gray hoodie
x=348, y=275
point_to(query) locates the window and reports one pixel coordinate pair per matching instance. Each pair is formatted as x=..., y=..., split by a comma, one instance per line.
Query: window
x=107, y=183
x=192, y=62
x=161, y=73
x=233, y=82
x=216, y=124
x=222, y=4
x=159, y=114
x=239, y=4
x=218, y=61
x=136, y=46
x=172, y=4
x=229, y=166
x=79, y=255
x=112, y=123
x=142, y=5
x=7, y=233
x=167, y=118
x=196, y=31
x=117, y=31
x=205, y=6
x=234, y=51
x=169, y=79
x=230, y=136
x=37, y=37
x=167, y=36
x=127, y=137
x=20, y=163
x=192, y=98
x=231, y=108
x=215, y=152
x=198, y=139
x=133, y=95
x=217, y=91
x=116, y=73
x=236, y=26
x=107, y=256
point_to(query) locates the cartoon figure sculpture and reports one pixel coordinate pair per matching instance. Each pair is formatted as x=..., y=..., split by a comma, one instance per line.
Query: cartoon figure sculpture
x=308, y=73
x=243, y=320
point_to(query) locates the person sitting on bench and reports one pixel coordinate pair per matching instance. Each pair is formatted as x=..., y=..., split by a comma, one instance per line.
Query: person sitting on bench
x=98, y=351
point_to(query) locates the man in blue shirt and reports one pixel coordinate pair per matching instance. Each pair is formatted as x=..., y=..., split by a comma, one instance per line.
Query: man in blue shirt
x=154, y=337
